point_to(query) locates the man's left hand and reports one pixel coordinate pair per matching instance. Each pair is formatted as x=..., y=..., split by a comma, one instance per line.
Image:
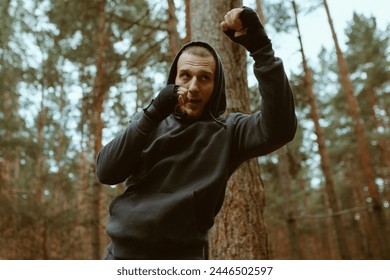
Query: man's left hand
x=243, y=26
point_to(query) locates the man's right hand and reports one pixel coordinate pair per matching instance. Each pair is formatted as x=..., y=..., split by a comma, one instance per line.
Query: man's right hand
x=165, y=103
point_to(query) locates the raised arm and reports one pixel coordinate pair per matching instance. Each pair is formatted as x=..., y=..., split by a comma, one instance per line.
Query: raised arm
x=275, y=124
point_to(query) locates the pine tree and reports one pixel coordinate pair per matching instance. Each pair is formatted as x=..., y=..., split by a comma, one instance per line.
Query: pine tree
x=355, y=113
x=239, y=231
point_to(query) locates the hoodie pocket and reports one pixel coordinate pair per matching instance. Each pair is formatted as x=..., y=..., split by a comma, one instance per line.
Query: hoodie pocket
x=155, y=217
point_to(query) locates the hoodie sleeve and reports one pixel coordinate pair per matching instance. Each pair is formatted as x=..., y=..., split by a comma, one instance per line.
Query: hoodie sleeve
x=275, y=124
x=116, y=160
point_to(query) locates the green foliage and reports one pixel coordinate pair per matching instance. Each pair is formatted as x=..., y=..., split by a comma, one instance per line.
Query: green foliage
x=278, y=16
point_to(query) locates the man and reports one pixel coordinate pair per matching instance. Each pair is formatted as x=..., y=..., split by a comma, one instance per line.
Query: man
x=179, y=153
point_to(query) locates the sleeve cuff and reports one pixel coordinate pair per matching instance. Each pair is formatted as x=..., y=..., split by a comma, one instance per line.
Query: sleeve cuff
x=264, y=56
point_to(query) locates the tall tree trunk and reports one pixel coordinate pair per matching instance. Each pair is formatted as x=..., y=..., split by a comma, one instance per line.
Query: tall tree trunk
x=354, y=111
x=59, y=200
x=325, y=165
x=372, y=249
x=6, y=191
x=286, y=187
x=239, y=231
x=361, y=244
x=305, y=246
x=172, y=29
x=188, y=21
x=5, y=159
x=37, y=179
x=83, y=202
x=100, y=94
x=37, y=182
x=259, y=10
x=328, y=229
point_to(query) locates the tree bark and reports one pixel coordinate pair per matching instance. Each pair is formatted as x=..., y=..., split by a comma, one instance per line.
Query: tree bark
x=239, y=231
x=367, y=229
x=100, y=94
x=172, y=29
x=37, y=179
x=5, y=159
x=286, y=187
x=188, y=21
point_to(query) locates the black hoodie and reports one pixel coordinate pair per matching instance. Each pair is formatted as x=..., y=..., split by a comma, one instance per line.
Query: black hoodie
x=176, y=173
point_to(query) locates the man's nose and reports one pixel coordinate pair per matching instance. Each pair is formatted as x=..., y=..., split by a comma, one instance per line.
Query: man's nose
x=193, y=86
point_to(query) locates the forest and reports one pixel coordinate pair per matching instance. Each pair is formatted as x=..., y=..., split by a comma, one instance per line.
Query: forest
x=72, y=73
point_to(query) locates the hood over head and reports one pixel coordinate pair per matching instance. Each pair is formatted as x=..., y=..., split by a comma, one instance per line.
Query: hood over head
x=217, y=103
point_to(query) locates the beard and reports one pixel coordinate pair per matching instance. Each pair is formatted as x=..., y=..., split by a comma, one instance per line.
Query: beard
x=181, y=114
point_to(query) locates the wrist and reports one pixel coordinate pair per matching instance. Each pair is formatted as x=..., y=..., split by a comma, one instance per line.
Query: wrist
x=256, y=40
x=264, y=55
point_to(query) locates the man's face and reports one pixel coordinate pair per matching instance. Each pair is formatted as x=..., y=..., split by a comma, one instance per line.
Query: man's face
x=196, y=74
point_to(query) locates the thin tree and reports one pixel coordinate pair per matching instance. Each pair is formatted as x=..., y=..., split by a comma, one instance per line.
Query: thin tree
x=239, y=231
x=172, y=29
x=286, y=185
x=99, y=95
x=259, y=10
x=325, y=164
x=188, y=21
x=354, y=112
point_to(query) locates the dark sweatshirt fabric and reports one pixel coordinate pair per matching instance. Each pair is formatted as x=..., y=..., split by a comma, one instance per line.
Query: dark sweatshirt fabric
x=176, y=170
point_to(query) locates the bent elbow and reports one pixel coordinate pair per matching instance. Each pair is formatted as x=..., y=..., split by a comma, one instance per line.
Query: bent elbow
x=285, y=135
x=292, y=131
x=108, y=176
x=103, y=178
x=104, y=174
x=108, y=179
